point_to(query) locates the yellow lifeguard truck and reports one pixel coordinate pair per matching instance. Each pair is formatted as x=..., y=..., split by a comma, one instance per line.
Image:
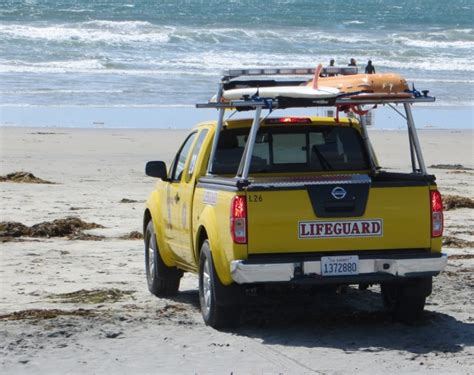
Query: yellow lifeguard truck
x=292, y=199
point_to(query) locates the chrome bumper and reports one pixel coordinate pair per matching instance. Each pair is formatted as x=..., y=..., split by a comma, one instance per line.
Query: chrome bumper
x=244, y=272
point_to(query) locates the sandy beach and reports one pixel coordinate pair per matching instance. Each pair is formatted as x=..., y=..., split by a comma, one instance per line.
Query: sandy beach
x=92, y=90
x=72, y=305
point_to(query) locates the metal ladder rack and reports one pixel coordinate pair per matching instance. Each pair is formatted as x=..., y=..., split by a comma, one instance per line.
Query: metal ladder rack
x=257, y=104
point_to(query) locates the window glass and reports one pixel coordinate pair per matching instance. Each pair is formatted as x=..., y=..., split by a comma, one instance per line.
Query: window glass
x=180, y=159
x=293, y=149
x=289, y=148
x=230, y=148
x=195, y=153
x=338, y=149
x=316, y=138
x=261, y=150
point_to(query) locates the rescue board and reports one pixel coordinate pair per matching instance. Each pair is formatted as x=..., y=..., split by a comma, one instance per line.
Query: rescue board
x=382, y=83
x=282, y=91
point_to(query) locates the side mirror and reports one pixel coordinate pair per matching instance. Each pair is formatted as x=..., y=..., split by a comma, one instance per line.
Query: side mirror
x=156, y=169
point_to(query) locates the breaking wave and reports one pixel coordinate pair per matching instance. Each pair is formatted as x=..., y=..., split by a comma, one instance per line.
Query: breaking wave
x=129, y=32
x=141, y=52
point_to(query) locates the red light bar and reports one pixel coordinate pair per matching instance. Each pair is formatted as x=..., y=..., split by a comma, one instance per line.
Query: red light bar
x=288, y=120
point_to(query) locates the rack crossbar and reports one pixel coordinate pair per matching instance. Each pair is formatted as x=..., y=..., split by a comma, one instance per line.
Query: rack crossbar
x=251, y=104
x=234, y=73
x=234, y=104
x=422, y=99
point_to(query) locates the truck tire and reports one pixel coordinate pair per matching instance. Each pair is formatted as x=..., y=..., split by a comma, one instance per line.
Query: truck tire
x=163, y=281
x=406, y=300
x=220, y=304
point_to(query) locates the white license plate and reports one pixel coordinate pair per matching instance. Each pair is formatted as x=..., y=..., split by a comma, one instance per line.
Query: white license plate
x=340, y=265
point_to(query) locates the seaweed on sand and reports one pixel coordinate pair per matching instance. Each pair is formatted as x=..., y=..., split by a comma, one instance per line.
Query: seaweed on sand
x=44, y=314
x=24, y=178
x=68, y=226
x=451, y=202
x=134, y=235
x=127, y=200
x=458, y=167
x=13, y=229
x=93, y=296
x=456, y=242
x=71, y=227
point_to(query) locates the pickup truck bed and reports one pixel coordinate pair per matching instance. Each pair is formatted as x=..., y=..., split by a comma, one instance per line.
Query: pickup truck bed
x=276, y=252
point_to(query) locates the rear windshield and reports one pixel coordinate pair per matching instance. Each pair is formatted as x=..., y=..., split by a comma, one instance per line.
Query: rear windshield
x=293, y=149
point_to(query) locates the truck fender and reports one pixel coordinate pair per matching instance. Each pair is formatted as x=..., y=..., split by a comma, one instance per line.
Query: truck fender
x=154, y=207
x=208, y=222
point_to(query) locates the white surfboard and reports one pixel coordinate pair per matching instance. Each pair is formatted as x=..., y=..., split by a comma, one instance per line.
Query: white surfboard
x=285, y=91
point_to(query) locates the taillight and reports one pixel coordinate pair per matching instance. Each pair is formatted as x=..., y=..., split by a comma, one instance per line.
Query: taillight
x=436, y=213
x=238, y=219
x=288, y=120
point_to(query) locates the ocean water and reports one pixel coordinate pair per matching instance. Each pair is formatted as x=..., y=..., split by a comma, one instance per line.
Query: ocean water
x=148, y=53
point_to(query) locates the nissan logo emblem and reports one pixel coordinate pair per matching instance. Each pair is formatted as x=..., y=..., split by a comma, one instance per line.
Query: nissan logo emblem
x=338, y=192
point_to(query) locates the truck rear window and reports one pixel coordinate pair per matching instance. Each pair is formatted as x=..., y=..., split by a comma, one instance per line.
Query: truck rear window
x=293, y=149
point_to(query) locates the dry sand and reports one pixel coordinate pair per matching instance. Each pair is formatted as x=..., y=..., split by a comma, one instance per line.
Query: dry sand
x=83, y=306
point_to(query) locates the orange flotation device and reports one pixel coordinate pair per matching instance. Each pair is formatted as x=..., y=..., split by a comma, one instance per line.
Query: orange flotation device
x=377, y=84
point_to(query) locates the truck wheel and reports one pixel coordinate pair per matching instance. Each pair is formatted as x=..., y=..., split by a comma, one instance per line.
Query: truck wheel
x=220, y=304
x=163, y=281
x=406, y=301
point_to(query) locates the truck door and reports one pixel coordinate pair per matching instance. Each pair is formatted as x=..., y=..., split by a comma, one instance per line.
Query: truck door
x=172, y=207
x=184, y=205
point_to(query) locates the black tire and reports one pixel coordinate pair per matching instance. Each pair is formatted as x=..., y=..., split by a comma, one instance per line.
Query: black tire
x=220, y=305
x=163, y=281
x=406, y=301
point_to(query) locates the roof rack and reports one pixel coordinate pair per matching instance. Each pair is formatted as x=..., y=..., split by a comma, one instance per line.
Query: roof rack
x=342, y=101
x=268, y=77
x=282, y=103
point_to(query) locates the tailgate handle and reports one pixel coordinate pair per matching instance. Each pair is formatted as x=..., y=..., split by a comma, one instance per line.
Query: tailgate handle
x=339, y=206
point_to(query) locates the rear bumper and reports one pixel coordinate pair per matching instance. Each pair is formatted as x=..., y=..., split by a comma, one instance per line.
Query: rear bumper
x=376, y=269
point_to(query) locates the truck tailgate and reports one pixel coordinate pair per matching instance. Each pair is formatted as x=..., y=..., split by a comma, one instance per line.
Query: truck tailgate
x=288, y=219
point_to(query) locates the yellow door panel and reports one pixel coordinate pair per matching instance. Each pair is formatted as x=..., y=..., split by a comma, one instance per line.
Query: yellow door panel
x=171, y=216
